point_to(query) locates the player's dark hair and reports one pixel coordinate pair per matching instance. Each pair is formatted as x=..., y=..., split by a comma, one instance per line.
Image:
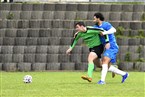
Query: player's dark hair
x=80, y=24
x=100, y=16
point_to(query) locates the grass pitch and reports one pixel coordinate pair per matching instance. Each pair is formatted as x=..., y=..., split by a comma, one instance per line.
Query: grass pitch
x=70, y=84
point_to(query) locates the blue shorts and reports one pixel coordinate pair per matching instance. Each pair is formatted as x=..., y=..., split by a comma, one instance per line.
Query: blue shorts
x=112, y=54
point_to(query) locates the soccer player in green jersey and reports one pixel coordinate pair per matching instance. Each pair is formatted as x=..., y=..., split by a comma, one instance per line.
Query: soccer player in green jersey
x=91, y=37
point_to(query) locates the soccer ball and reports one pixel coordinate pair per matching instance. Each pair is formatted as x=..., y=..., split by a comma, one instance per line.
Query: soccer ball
x=27, y=79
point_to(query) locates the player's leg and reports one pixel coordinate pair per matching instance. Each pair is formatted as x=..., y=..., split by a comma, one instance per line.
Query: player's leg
x=98, y=50
x=113, y=74
x=115, y=70
x=98, y=62
x=95, y=53
x=105, y=63
x=107, y=56
x=92, y=56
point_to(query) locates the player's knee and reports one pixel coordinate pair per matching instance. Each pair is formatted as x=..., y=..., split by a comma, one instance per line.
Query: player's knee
x=92, y=59
x=92, y=56
x=106, y=60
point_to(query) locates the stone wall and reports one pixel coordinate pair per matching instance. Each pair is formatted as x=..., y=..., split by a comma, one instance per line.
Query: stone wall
x=67, y=1
x=35, y=37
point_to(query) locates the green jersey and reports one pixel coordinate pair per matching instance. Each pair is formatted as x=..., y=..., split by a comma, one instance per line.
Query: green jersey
x=91, y=37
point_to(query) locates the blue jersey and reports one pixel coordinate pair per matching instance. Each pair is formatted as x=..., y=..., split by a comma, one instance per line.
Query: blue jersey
x=112, y=40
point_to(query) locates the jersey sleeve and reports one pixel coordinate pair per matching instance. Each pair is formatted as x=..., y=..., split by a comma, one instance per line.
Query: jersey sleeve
x=75, y=40
x=95, y=30
x=104, y=39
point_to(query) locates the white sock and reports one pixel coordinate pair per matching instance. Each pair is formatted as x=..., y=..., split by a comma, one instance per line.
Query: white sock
x=104, y=72
x=116, y=70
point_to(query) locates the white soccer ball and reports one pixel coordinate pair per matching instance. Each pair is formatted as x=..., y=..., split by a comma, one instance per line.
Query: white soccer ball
x=27, y=79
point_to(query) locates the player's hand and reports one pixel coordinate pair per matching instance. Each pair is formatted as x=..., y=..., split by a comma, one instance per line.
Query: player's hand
x=107, y=45
x=101, y=33
x=69, y=51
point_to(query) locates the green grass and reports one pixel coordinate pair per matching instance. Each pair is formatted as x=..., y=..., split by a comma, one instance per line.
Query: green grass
x=69, y=84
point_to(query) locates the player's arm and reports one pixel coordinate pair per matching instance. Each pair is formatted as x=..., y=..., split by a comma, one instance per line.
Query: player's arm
x=74, y=42
x=110, y=31
x=95, y=30
x=105, y=41
x=107, y=44
x=75, y=35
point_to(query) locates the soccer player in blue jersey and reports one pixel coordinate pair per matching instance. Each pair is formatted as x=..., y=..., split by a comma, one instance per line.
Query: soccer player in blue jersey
x=109, y=55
